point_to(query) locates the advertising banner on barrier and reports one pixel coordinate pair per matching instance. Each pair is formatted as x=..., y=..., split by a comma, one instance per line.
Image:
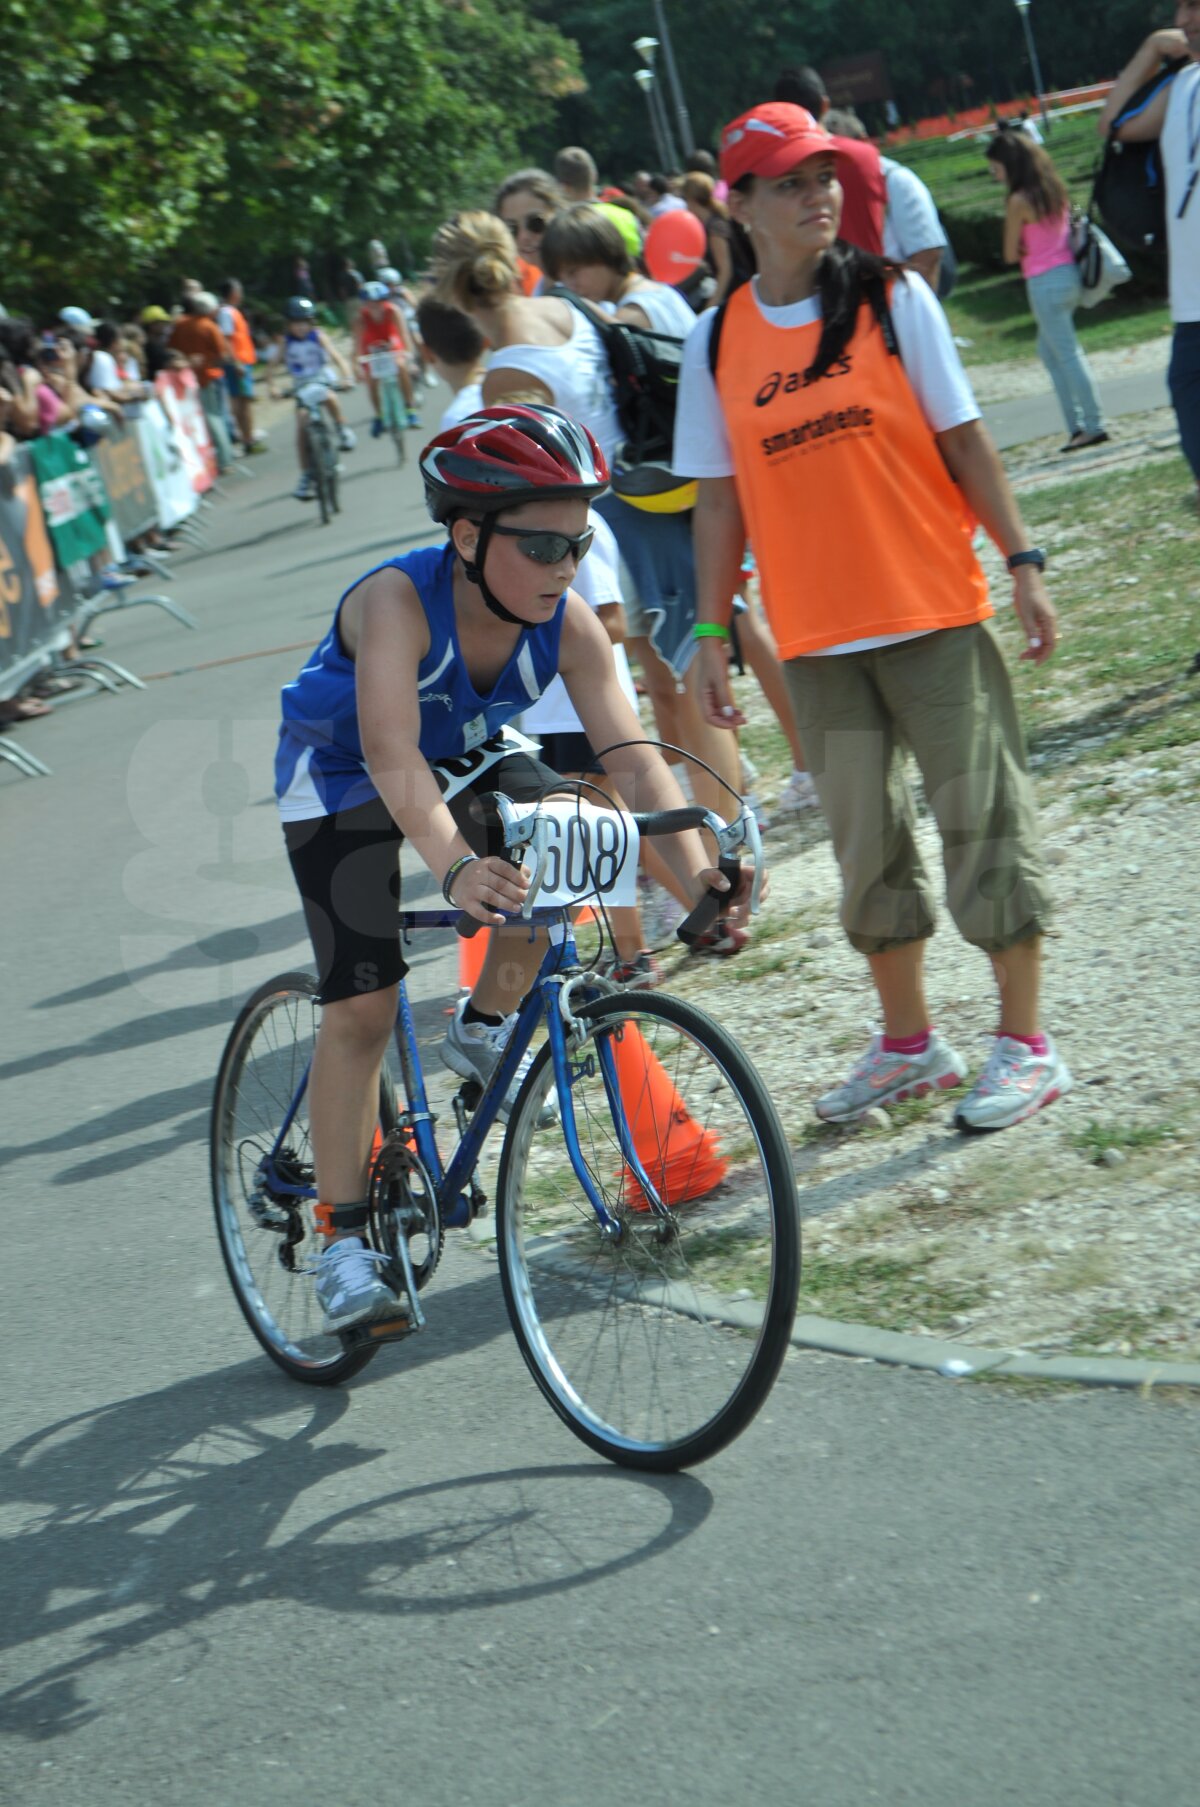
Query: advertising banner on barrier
x=118, y=458
x=179, y=393
x=165, y=467
x=33, y=603
x=73, y=498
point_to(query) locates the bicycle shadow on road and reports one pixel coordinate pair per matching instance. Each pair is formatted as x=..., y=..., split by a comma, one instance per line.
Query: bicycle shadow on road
x=146, y=1519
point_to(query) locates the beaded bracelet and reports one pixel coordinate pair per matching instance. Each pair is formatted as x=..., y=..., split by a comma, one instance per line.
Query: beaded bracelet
x=453, y=874
x=709, y=630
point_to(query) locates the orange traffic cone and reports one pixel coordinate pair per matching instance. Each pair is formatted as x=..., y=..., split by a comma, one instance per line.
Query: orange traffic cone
x=682, y=1161
x=472, y=952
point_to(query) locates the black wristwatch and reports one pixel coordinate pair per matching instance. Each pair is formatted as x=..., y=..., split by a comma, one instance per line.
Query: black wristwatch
x=1035, y=556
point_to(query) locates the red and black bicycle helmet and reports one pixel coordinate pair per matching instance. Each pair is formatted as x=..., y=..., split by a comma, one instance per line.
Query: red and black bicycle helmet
x=505, y=456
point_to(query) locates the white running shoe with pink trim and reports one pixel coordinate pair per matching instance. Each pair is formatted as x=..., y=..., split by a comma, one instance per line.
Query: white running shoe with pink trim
x=884, y=1078
x=1015, y=1083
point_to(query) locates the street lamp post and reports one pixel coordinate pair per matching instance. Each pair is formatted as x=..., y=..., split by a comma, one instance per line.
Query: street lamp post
x=681, y=112
x=647, y=81
x=1023, y=8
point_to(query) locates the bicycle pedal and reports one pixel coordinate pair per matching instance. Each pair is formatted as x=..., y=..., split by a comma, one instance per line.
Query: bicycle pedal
x=379, y=1330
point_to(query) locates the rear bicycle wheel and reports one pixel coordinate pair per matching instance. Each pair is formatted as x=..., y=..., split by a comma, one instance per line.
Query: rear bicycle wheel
x=656, y=1344
x=263, y=1202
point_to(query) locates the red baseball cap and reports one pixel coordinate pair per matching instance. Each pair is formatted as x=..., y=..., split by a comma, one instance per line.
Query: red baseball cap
x=771, y=139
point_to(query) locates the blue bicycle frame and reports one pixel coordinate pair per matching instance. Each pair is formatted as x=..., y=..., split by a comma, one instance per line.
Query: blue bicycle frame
x=452, y=1183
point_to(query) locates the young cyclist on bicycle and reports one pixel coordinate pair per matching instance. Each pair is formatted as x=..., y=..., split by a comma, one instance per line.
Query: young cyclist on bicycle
x=381, y=323
x=429, y=655
x=310, y=355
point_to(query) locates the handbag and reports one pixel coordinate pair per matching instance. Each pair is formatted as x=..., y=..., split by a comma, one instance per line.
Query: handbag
x=1101, y=266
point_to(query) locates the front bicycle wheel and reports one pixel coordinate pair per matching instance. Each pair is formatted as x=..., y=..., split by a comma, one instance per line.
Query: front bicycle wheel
x=393, y=414
x=655, y=1340
x=262, y=1179
x=320, y=463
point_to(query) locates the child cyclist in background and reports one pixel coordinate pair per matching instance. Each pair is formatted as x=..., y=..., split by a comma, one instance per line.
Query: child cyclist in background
x=381, y=323
x=311, y=356
x=429, y=655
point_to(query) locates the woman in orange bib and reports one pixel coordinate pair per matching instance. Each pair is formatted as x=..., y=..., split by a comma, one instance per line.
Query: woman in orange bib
x=826, y=414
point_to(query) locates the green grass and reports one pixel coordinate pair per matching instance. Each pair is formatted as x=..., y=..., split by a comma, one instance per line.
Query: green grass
x=1121, y=1324
x=894, y=1292
x=991, y=309
x=1118, y=687
x=1098, y=1138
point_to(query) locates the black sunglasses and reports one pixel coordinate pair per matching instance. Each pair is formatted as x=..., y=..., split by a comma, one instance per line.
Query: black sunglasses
x=533, y=222
x=546, y=548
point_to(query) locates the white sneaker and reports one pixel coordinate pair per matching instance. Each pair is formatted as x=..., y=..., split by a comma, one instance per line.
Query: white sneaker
x=661, y=915
x=347, y=440
x=798, y=794
x=306, y=489
x=349, y=1289
x=472, y=1049
x=1015, y=1083
x=884, y=1078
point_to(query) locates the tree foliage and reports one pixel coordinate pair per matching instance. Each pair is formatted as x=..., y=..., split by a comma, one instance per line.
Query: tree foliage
x=940, y=54
x=136, y=135
x=140, y=139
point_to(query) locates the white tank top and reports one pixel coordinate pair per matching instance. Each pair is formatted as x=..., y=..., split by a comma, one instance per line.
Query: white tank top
x=664, y=307
x=576, y=374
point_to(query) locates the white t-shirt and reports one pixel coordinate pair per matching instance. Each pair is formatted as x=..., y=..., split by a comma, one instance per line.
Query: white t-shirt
x=468, y=400
x=598, y=581
x=577, y=375
x=910, y=223
x=1180, y=144
x=927, y=351
x=668, y=204
x=103, y=372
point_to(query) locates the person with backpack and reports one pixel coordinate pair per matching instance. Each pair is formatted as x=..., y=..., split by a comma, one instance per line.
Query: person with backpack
x=832, y=425
x=547, y=350
x=1037, y=235
x=1172, y=116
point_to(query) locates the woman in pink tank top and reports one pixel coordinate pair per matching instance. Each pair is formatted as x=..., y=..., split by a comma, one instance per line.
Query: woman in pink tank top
x=1037, y=235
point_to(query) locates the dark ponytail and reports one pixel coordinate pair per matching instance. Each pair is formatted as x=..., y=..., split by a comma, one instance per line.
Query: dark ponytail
x=846, y=277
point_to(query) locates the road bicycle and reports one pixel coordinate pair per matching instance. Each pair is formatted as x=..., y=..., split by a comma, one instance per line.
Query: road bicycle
x=646, y=1218
x=383, y=363
x=320, y=444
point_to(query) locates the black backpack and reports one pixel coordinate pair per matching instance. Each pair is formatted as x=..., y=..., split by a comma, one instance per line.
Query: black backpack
x=1129, y=193
x=644, y=368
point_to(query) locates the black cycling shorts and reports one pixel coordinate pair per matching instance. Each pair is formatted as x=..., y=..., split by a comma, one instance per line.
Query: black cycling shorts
x=347, y=869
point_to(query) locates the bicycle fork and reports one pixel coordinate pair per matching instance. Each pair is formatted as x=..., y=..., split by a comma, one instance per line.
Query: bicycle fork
x=601, y=1050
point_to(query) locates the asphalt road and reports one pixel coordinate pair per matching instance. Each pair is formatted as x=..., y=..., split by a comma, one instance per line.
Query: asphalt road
x=218, y=1588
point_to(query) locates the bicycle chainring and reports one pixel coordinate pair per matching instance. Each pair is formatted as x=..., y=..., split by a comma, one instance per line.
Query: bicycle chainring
x=403, y=1201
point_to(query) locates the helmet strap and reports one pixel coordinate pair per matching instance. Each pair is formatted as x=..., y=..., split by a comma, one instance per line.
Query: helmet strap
x=473, y=572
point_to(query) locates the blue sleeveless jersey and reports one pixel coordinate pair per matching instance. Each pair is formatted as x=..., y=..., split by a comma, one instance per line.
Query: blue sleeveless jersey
x=319, y=766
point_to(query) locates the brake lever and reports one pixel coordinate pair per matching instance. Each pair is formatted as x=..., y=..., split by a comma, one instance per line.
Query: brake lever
x=744, y=831
x=538, y=845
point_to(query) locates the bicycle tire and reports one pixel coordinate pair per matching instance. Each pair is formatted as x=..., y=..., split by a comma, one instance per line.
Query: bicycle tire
x=711, y=1291
x=319, y=461
x=252, y=1095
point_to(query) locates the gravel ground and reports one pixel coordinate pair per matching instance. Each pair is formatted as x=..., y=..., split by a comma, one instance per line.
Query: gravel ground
x=1065, y=1232
x=1005, y=382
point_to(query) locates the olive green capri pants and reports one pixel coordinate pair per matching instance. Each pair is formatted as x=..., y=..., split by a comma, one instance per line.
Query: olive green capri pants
x=947, y=698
